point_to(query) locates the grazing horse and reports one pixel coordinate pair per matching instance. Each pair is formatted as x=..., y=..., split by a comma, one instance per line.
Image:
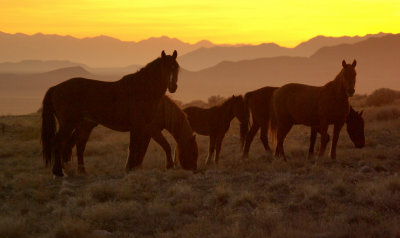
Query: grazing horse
x=355, y=129
x=169, y=116
x=215, y=121
x=130, y=102
x=313, y=106
x=255, y=102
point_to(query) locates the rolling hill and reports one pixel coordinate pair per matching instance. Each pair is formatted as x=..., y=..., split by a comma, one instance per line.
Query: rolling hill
x=101, y=51
x=378, y=66
x=207, y=57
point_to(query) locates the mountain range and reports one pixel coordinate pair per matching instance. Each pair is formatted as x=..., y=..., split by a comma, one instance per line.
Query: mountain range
x=378, y=66
x=377, y=56
x=108, y=52
x=207, y=57
x=100, y=51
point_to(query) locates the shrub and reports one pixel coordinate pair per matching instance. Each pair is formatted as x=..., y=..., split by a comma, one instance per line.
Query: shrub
x=382, y=96
x=215, y=100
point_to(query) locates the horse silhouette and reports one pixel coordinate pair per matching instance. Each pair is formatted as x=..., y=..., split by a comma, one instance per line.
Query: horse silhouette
x=313, y=106
x=169, y=116
x=215, y=122
x=130, y=102
x=256, y=102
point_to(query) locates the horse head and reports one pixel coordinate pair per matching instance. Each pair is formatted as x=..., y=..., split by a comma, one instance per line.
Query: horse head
x=349, y=77
x=240, y=111
x=170, y=70
x=355, y=128
x=188, y=154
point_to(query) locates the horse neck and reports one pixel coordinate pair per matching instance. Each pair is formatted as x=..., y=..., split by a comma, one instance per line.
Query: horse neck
x=226, y=110
x=336, y=86
x=176, y=122
x=149, y=79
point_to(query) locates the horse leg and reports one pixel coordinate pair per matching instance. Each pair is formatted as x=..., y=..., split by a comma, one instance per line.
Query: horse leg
x=218, y=145
x=175, y=161
x=264, y=138
x=160, y=139
x=67, y=155
x=336, y=131
x=313, y=138
x=139, y=141
x=283, y=130
x=83, y=131
x=61, y=139
x=249, y=138
x=324, y=138
x=211, y=149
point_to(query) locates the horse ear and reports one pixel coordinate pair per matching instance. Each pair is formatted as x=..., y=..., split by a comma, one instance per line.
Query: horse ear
x=163, y=54
x=344, y=63
x=354, y=63
x=175, y=54
x=360, y=113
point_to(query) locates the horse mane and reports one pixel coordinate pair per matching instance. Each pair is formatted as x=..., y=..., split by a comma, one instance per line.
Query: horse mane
x=144, y=72
x=175, y=120
x=224, y=103
x=336, y=80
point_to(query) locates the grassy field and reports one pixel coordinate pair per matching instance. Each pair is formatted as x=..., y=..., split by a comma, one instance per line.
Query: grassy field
x=358, y=195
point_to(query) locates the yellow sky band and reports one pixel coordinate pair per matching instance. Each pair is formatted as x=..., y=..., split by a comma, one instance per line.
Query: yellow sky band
x=285, y=22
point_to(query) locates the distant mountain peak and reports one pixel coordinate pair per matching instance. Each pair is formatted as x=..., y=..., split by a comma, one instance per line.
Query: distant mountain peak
x=73, y=70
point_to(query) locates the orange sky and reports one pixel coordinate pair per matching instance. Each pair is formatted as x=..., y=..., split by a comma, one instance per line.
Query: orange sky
x=286, y=22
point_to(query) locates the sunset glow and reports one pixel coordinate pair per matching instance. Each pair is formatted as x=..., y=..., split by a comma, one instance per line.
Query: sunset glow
x=286, y=22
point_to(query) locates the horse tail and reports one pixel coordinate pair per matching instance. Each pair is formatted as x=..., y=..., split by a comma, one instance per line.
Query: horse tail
x=244, y=127
x=48, y=127
x=272, y=122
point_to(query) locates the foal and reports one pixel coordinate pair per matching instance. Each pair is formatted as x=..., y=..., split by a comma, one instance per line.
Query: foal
x=215, y=121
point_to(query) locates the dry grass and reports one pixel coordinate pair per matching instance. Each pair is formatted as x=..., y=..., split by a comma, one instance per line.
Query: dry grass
x=356, y=196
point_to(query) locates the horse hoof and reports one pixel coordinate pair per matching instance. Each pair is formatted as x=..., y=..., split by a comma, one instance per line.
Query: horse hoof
x=57, y=177
x=82, y=172
x=58, y=173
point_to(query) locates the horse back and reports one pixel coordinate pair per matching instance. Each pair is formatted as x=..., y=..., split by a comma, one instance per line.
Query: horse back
x=297, y=103
x=258, y=102
x=200, y=119
x=98, y=101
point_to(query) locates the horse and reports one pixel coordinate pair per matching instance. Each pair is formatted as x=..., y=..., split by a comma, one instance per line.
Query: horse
x=169, y=116
x=215, y=122
x=355, y=129
x=255, y=102
x=130, y=102
x=313, y=106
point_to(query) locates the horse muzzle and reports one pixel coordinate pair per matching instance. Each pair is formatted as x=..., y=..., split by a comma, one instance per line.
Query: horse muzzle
x=172, y=88
x=350, y=92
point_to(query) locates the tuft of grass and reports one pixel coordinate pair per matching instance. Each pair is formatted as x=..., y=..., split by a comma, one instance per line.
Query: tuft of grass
x=244, y=199
x=72, y=228
x=223, y=193
x=392, y=184
x=111, y=215
x=12, y=227
x=103, y=191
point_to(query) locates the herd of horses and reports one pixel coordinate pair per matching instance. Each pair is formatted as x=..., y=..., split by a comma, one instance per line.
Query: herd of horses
x=137, y=104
